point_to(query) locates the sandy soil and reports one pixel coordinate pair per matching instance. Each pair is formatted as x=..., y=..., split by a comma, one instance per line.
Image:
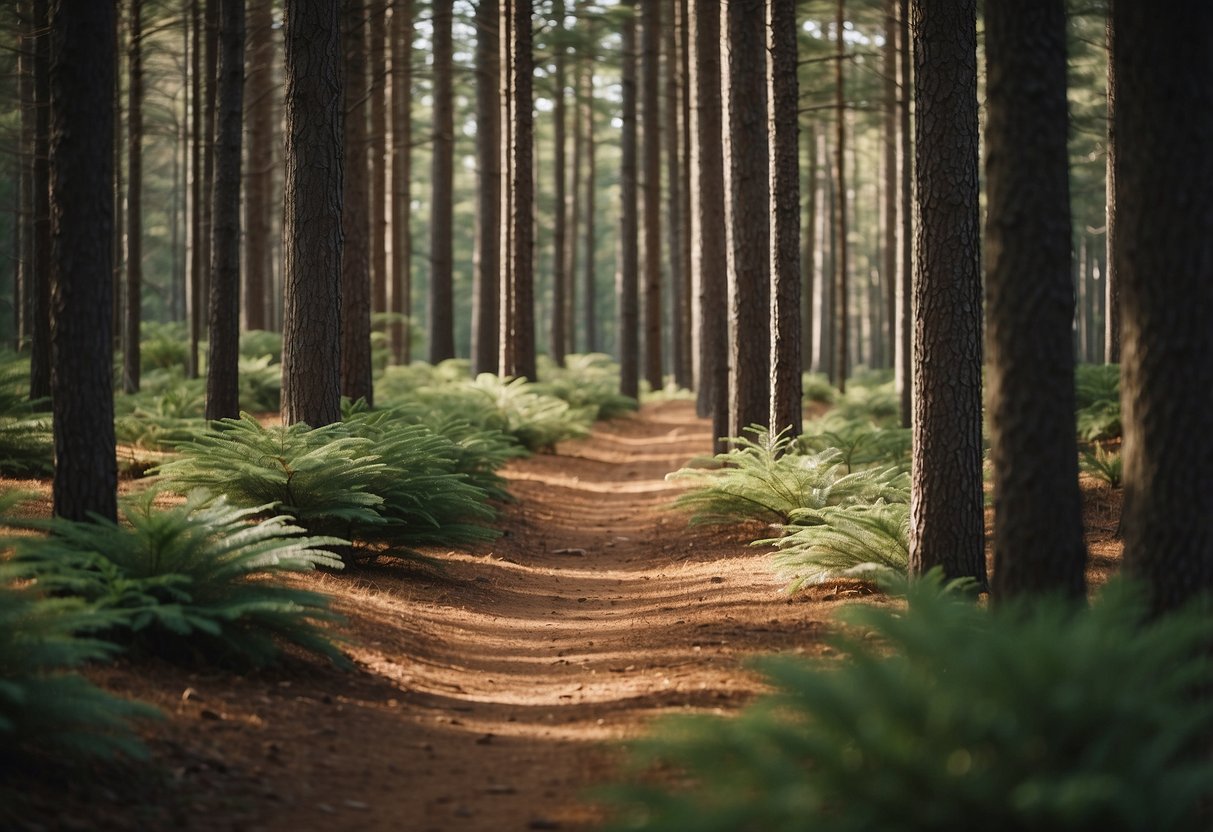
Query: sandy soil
x=490, y=695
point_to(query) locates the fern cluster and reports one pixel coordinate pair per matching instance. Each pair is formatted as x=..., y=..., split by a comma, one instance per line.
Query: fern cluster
x=588, y=382
x=202, y=578
x=954, y=717
x=1103, y=464
x=1097, y=399
x=861, y=542
x=27, y=445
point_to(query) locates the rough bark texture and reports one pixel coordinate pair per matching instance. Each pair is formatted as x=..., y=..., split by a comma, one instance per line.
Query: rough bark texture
x=223, y=351
x=377, y=148
x=629, y=261
x=195, y=280
x=1038, y=543
x=558, y=332
x=259, y=205
x=1164, y=207
x=355, y=218
x=486, y=265
x=1111, y=282
x=891, y=197
x=82, y=71
x=589, y=287
x=40, y=287
x=842, y=320
x=709, y=255
x=311, y=347
x=441, y=309
x=651, y=184
x=23, y=248
x=400, y=296
x=680, y=305
x=749, y=219
x=903, y=370
x=946, y=512
x=132, y=306
x=783, y=124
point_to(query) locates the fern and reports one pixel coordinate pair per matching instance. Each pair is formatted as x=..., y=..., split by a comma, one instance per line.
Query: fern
x=1096, y=383
x=1099, y=420
x=27, y=447
x=1104, y=464
x=259, y=343
x=1026, y=716
x=198, y=575
x=588, y=382
x=862, y=542
x=861, y=442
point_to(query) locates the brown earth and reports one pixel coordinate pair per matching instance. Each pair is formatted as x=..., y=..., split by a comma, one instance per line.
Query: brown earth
x=492, y=695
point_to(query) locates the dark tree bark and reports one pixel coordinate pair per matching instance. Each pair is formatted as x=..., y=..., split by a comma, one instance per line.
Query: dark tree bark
x=783, y=124
x=24, y=228
x=312, y=242
x=903, y=370
x=259, y=205
x=629, y=261
x=118, y=195
x=517, y=281
x=808, y=254
x=946, y=507
x=749, y=219
x=41, y=360
x=133, y=307
x=400, y=297
x=210, y=94
x=486, y=266
x=651, y=186
x=82, y=71
x=841, y=266
x=441, y=320
x=377, y=147
x=1164, y=217
x=891, y=197
x=680, y=289
x=827, y=323
x=1111, y=282
x=589, y=286
x=558, y=332
x=355, y=255
x=1038, y=537
x=196, y=281
x=709, y=251
x=223, y=349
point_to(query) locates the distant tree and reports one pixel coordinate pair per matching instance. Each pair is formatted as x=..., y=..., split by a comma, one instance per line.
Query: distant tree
x=589, y=284
x=808, y=252
x=629, y=259
x=377, y=149
x=1038, y=542
x=651, y=187
x=312, y=243
x=903, y=372
x=1111, y=283
x=675, y=156
x=441, y=307
x=1164, y=224
x=82, y=70
x=486, y=260
x=133, y=306
x=42, y=258
x=842, y=293
x=783, y=104
x=259, y=205
x=355, y=254
x=748, y=217
x=399, y=296
x=946, y=506
x=561, y=296
x=196, y=276
x=223, y=352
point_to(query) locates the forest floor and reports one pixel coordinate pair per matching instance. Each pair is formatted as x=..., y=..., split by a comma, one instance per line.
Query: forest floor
x=494, y=693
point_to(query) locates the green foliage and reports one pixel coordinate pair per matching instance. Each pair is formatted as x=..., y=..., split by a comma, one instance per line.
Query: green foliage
x=259, y=343
x=43, y=707
x=1104, y=464
x=374, y=479
x=953, y=717
x=870, y=398
x=817, y=388
x=1097, y=399
x=860, y=442
x=162, y=346
x=260, y=384
x=27, y=446
x=1099, y=421
x=587, y=382
x=764, y=478
x=536, y=420
x=863, y=542
x=167, y=409
x=194, y=577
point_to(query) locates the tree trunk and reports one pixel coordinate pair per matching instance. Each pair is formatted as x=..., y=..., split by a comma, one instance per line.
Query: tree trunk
x=572, y=206
x=651, y=151
x=558, y=333
x=196, y=281
x=827, y=323
x=903, y=371
x=23, y=278
x=1038, y=542
x=260, y=112
x=400, y=296
x=748, y=208
x=841, y=266
x=517, y=283
x=211, y=96
x=312, y=241
x=946, y=507
x=487, y=257
x=81, y=78
x=118, y=267
x=441, y=321
x=132, y=310
x=1111, y=283
x=589, y=287
x=629, y=262
x=41, y=338
x=355, y=255
x=223, y=352
x=690, y=338
x=680, y=307
x=783, y=121
x=1164, y=210
x=808, y=254
x=377, y=78
x=888, y=271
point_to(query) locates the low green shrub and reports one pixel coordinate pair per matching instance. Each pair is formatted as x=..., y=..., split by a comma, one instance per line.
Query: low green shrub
x=27, y=444
x=817, y=388
x=1094, y=383
x=861, y=442
x=260, y=381
x=536, y=420
x=858, y=542
x=950, y=716
x=1099, y=421
x=260, y=343
x=588, y=382
x=1104, y=464
x=196, y=579
x=162, y=346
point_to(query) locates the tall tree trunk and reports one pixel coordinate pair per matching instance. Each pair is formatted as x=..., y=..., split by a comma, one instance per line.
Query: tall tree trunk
x=1038, y=543
x=680, y=301
x=377, y=78
x=312, y=241
x=193, y=295
x=841, y=264
x=690, y=337
x=946, y=506
x=888, y=270
x=783, y=120
x=748, y=210
x=223, y=349
x=808, y=254
x=827, y=323
x=629, y=261
x=441, y=321
x=81, y=77
x=558, y=333
x=572, y=206
x=24, y=228
x=1164, y=218
x=260, y=112
x=400, y=296
x=211, y=99
x=487, y=256
x=133, y=307
x=355, y=256
x=651, y=151
x=517, y=284
x=1112, y=257
x=41, y=337
x=118, y=267
x=589, y=287
x=903, y=371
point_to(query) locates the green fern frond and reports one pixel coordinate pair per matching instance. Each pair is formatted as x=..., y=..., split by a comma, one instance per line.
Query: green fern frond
x=861, y=542
x=1104, y=464
x=27, y=447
